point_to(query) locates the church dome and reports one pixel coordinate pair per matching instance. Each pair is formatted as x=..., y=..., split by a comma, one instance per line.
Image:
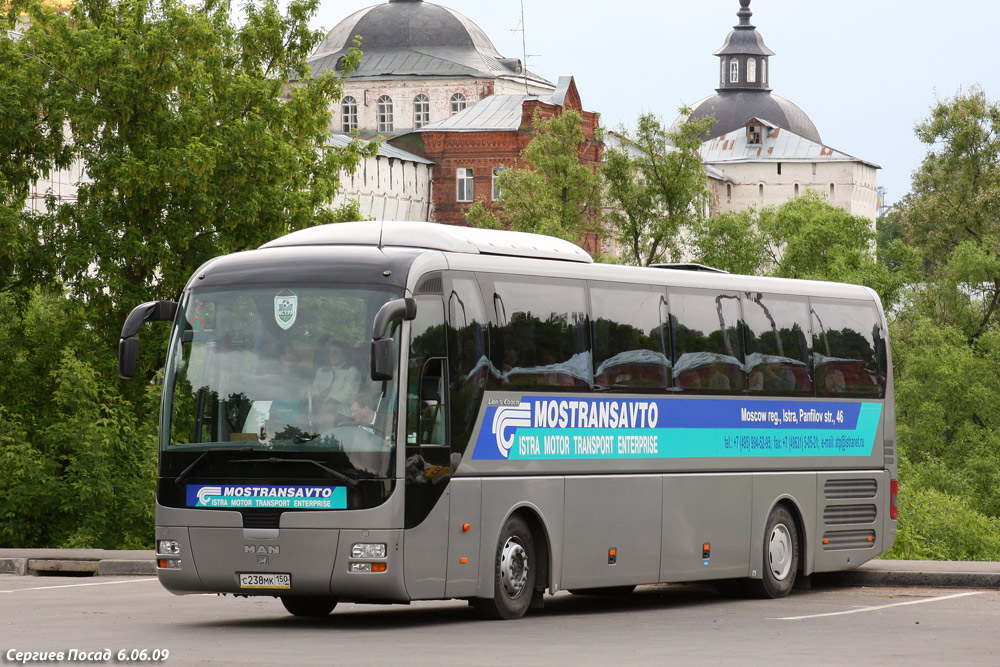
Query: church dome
x=412, y=38
x=744, y=87
x=408, y=24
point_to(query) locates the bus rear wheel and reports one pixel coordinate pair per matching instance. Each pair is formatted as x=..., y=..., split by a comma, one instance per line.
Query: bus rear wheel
x=781, y=555
x=514, y=573
x=308, y=606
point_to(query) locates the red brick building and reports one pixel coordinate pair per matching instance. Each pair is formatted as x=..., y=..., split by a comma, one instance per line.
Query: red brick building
x=470, y=148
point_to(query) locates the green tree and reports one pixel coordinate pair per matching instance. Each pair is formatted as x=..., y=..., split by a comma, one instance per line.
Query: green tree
x=201, y=134
x=555, y=192
x=806, y=237
x=656, y=186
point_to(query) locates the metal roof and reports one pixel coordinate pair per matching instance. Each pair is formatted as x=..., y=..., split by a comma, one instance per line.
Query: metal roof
x=779, y=145
x=732, y=110
x=495, y=112
x=434, y=236
x=384, y=150
x=411, y=38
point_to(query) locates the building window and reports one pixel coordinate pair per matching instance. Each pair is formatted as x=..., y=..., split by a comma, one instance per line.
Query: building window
x=729, y=193
x=722, y=74
x=760, y=193
x=464, y=179
x=496, y=184
x=421, y=111
x=349, y=114
x=753, y=134
x=763, y=71
x=831, y=192
x=458, y=102
x=385, y=114
x=796, y=189
x=734, y=71
x=779, y=169
x=752, y=70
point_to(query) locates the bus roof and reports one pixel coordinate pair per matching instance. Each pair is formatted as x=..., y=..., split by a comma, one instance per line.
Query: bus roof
x=434, y=236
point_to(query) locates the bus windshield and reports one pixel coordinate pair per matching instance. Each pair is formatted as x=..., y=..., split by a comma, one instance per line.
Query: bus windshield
x=280, y=367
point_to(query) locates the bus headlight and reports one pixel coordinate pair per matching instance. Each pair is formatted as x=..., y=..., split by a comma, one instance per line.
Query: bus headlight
x=368, y=551
x=168, y=548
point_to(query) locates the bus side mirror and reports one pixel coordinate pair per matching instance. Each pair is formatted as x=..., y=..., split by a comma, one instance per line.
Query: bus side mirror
x=128, y=354
x=383, y=361
x=128, y=345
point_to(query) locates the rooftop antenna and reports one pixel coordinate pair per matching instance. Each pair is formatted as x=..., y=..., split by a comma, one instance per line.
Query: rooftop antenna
x=524, y=50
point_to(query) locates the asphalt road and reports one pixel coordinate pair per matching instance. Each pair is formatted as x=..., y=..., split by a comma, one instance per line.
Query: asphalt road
x=656, y=625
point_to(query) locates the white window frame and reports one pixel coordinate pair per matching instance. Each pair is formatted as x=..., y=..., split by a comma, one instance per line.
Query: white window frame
x=385, y=123
x=734, y=71
x=421, y=111
x=348, y=114
x=464, y=184
x=497, y=193
x=763, y=71
x=458, y=103
x=752, y=70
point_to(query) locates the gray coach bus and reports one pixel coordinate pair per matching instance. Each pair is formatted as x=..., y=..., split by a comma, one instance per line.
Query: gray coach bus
x=387, y=412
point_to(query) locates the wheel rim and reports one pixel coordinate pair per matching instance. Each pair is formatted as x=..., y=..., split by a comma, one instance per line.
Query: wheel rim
x=513, y=567
x=780, y=552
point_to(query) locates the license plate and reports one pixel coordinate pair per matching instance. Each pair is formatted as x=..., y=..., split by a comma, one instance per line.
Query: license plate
x=279, y=581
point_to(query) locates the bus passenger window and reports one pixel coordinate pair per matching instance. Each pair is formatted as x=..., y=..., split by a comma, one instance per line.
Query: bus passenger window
x=777, y=354
x=541, y=339
x=708, y=342
x=848, y=349
x=630, y=338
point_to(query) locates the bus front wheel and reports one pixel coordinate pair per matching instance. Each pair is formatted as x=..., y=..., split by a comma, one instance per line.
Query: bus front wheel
x=781, y=555
x=308, y=606
x=514, y=573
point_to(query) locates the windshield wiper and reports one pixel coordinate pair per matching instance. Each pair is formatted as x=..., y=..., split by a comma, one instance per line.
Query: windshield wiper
x=349, y=481
x=187, y=471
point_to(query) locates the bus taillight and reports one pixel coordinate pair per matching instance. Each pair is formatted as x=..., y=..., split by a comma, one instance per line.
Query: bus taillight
x=894, y=499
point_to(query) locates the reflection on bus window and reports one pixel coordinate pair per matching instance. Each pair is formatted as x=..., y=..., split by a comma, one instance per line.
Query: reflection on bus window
x=541, y=336
x=630, y=338
x=777, y=360
x=708, y=342
x=849, y=350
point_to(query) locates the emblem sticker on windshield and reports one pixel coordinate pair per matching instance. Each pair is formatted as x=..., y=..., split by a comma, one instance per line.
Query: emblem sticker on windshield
x=286, y=308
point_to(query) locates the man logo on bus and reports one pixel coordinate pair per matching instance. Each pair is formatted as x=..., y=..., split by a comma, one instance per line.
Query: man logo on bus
x=509, y=417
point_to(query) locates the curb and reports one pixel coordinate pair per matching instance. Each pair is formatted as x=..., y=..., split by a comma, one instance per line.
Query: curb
x=104, y=567
x=875, y=578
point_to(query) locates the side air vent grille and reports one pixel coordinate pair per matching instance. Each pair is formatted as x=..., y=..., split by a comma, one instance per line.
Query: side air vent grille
x=261, y=518
x=841, y=489
x=430, y=285
x=848, y=539
x=839, y=515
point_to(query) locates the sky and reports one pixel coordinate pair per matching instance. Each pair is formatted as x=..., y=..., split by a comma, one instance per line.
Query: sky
x=865, y=71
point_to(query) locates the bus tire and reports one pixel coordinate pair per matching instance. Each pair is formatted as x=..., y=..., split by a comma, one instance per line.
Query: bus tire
x=513, y=574
x=312, y=607
x=781, y=555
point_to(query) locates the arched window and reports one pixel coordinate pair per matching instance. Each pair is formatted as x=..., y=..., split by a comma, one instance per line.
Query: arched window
x=729, y=193
x=752, y=70
x=734, y=71
x=348, y=114
x=458, y=102
x=385, y=114
x=796, y=189
x=760, y=193
x=763, y=71
x=421, y=111
x=831, y=192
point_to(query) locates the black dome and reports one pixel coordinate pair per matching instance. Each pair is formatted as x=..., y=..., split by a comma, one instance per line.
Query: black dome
x=732, y=110
x=411, y=24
